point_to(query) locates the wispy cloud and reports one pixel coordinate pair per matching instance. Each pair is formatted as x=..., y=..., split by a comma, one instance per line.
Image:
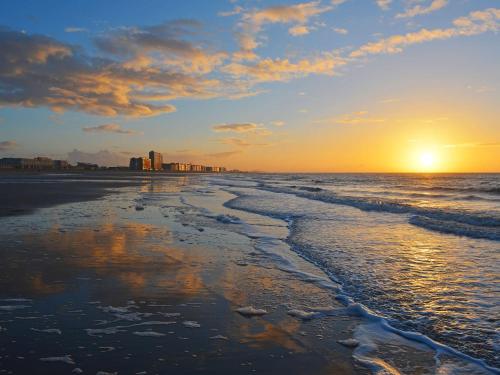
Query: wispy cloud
x=278, y=123
x=8, y=145
x=224, y=154
x=340, y=30
x=384, y=4
x=355, y=118
x=253, y=21
x=472, y=145
x=236, y=127
x=475, y=23
x=75, y=29
x=238, y=142
x=417, y=10
x=268, y=70
x=109, y=128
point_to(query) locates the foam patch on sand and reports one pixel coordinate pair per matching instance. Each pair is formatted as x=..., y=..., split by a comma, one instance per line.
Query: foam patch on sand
x=191, y=324
x=48, y=330
x=102, y=331
x=13, y=307
x=148, y=333
x=218, y=337
x=304, y=315
x=65, y=358
x=250, y=311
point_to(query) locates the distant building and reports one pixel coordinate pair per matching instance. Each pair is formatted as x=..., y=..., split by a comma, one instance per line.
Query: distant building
x=86, y=166
x=61, y=164
x=35, y=163
x=156, y=161
x=170, y=167
x=196, y=168
x=140, y=164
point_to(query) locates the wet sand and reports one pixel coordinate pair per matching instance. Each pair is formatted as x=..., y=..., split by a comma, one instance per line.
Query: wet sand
x=24, y=192
x=101, y=286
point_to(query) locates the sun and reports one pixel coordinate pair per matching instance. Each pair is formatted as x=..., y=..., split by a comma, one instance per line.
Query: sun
x=427, y=160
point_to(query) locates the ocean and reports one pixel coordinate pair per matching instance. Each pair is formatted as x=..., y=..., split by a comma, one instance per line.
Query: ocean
x=420, y=251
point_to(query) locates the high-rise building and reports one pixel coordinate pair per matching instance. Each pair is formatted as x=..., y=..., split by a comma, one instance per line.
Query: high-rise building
x=156, y=160
x=140, y=164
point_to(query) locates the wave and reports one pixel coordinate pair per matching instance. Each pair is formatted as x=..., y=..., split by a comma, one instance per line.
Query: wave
x=353, y=307
x=452, y=227
x=381, y=205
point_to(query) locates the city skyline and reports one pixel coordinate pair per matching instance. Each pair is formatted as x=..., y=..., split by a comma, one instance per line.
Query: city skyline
x=286, y=86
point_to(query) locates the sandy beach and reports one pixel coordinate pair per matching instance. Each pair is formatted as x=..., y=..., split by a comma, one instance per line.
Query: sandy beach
x=161, y=277
x=101, y=286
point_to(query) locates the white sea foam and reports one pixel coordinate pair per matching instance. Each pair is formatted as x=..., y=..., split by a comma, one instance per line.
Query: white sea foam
x=13, y=307
x=304, y=315
x=219, y=337
x=250, y=311
x=48, y=330
x=65, y=358
x=148, y=333
x=191, y=324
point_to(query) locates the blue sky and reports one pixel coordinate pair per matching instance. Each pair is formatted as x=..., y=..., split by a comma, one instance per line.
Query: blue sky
x=321, y=85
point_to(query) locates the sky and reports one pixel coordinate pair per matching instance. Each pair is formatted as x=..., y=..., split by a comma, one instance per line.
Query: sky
x=284, y=86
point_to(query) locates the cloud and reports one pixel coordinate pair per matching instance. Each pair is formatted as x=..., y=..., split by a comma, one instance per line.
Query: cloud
x=36, y=70
x=253, y=21
x=475, y=23
x=298, y=30
x=278, y=123
x=340, y=30
x=109, y=128
x=481, y=89
x=389, y=100
x=240, y=142
x=234, y=12
x=8, y=145
x=75, y=29
x=268, y=70
x=235, y=142
x=103, y=157
x=170, y=43
x=384, y=4
x=224, y=154
x=418, y=10
x=355, y=118
x=236, y=127
x=472, y=145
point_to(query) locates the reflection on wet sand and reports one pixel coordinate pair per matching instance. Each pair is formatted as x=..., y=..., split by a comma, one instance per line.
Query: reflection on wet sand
x=138, y=255
x=269, y=335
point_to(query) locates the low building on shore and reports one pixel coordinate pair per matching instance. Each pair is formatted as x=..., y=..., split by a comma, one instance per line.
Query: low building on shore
x=37, y=163
x=86, y=166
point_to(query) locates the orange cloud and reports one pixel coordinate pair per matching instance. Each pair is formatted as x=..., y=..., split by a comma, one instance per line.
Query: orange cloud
x=236, y=127
x=419, y=9
x=283, y=69
x=475, y=23
x=39, y=71
x=109, y=128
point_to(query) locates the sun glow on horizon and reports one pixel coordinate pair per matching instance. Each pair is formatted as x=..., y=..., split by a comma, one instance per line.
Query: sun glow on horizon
x=427, y=161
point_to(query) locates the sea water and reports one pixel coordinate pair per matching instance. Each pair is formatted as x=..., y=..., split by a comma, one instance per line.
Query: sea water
x=420, y=251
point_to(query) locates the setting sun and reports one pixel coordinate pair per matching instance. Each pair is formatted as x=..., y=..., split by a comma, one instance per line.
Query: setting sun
x=427, y=160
